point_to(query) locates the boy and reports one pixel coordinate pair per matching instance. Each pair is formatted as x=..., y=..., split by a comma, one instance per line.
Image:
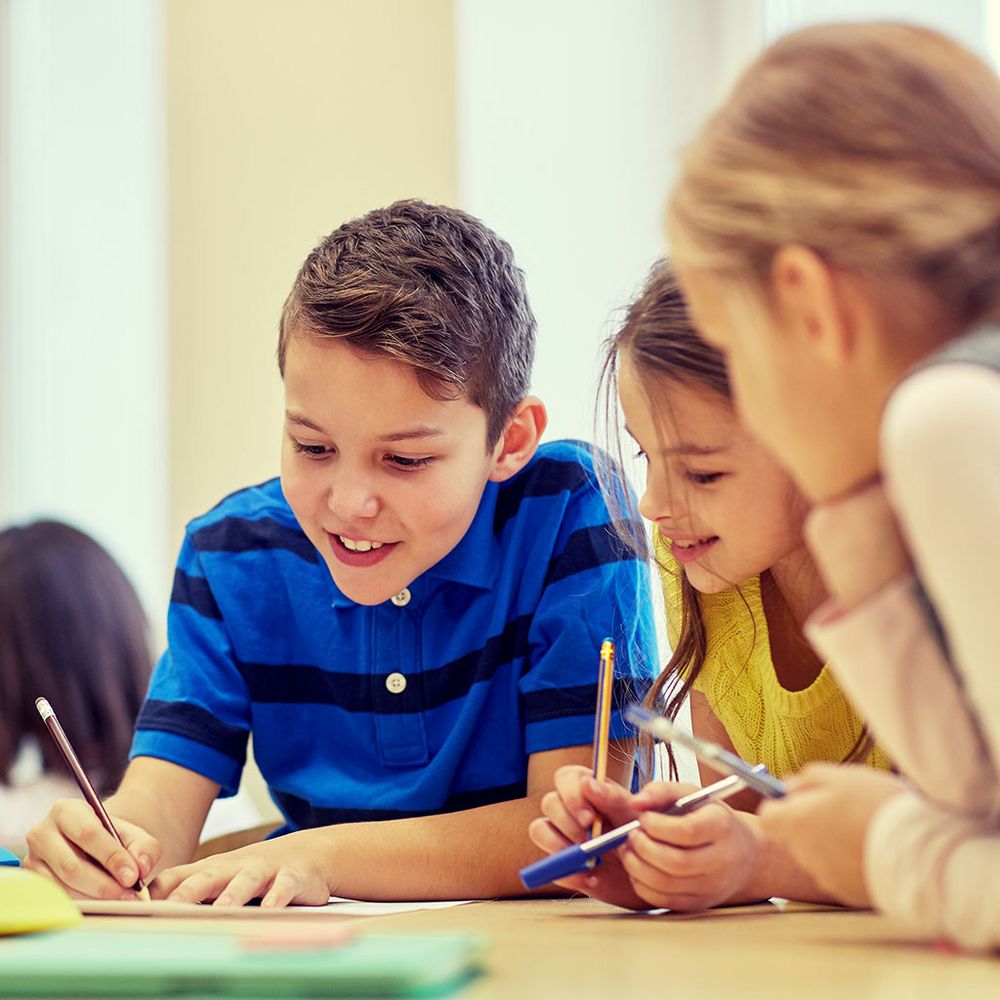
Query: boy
x=408, y=622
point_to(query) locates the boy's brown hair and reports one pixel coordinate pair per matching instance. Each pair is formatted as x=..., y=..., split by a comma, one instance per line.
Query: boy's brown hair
x=428, y=286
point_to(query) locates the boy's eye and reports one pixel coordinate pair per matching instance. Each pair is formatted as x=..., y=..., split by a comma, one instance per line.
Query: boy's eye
x=311, y=450
x=402, y=462
x=704, y=478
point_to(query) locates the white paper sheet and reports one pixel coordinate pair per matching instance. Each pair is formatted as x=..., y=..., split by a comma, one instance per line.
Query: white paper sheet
x=337, y=906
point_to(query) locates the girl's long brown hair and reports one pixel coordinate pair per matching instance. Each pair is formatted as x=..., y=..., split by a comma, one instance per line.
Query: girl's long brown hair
x=661, y=344
x=71, y=629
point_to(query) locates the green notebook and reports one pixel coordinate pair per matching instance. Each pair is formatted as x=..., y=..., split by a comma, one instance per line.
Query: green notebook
x=141, y=964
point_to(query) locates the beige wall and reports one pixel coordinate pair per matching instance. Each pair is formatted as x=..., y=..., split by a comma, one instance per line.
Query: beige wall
x=285, y=119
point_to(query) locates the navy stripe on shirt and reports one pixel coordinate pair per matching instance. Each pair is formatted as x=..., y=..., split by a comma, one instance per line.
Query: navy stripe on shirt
x=195, y=592
x=549, y=477
x=304, y=814
x=568, y=702
x=194, y=723
x=303, y=684
x=242, y=534
x=588, y=548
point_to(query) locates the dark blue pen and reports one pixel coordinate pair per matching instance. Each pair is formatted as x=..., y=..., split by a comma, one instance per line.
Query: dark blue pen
x=578, y=858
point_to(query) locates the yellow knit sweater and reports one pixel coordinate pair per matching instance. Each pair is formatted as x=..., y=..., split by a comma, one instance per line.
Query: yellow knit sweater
x=767, y=723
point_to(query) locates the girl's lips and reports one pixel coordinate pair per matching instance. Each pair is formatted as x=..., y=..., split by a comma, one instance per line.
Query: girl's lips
x=359, y=559
x=689, y=553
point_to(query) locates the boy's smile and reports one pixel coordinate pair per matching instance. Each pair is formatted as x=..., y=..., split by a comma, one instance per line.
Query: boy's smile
x=359, y=552
x=383, y=479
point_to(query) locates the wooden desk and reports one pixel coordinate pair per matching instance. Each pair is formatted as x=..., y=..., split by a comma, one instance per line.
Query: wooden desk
x=579, y=948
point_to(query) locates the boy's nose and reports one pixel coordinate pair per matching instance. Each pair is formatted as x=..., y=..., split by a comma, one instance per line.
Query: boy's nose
x=352, y=499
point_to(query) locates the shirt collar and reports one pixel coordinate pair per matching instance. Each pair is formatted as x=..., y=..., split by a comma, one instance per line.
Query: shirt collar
x=474, y=561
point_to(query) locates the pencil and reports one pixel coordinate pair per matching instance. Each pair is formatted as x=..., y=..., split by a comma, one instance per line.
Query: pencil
x=602, y=718
x=69, y=754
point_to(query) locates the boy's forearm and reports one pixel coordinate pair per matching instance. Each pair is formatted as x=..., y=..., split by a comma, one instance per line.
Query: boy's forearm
x=475, y=854
x=168, y=802
x=152, y=813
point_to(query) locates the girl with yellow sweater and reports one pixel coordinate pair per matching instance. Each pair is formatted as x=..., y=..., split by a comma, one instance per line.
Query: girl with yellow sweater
x=738, y=583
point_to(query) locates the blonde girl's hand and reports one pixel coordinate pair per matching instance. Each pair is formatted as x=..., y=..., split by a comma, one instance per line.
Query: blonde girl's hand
x=689, y=862
x=824, y=821
x=567, y=814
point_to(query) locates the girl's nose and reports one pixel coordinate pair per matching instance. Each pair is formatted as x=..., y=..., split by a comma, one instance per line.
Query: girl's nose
x=660, y=501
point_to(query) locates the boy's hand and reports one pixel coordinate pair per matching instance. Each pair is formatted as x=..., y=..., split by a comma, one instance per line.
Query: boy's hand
x=71, y=846
x=279, y=871
x=568, y=812
x=689, y=862
x=824, y=821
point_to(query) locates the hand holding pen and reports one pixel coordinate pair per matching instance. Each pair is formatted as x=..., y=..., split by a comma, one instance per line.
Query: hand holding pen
x=93, y=801
x=579, y=857
x=678, y=855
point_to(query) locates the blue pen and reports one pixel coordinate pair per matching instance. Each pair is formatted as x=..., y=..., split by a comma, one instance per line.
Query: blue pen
x=580, y=857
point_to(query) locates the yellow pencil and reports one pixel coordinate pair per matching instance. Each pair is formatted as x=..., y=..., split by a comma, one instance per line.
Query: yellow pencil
x=602, y=718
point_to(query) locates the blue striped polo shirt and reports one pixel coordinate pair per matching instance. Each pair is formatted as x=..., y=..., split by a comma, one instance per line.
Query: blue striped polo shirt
x=431, y=702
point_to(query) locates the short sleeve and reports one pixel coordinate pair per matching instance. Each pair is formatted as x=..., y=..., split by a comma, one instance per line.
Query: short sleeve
x=596, y=588
x=197, y=712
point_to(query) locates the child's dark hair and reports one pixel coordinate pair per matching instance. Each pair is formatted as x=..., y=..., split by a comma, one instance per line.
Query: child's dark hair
x=431, y=287
x=71, y=629
x=660, y=342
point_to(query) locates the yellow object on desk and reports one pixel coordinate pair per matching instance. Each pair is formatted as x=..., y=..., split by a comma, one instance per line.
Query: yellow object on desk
x=31, y=902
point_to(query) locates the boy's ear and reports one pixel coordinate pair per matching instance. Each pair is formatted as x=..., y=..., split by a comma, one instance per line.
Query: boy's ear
x=813, y=302
x=520, y=439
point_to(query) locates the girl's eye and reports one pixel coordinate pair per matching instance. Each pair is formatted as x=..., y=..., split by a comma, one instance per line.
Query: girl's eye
x=641, y=454
x=704, y=478
x=311, y=450
x=402, y=462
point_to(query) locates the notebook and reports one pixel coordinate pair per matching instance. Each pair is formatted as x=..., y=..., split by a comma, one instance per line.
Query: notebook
x=141, y=964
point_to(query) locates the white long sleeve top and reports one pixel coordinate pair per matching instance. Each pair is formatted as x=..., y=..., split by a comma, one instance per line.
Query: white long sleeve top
x=932, y=856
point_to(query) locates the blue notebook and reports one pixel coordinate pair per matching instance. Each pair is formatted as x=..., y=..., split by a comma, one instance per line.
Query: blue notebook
x=102, y=963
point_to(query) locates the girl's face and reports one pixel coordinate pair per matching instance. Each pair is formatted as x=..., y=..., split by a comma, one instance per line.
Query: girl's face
x=818, y=416
x=727, y=507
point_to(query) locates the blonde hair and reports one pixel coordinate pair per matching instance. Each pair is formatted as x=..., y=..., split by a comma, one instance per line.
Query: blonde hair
x=876, y=145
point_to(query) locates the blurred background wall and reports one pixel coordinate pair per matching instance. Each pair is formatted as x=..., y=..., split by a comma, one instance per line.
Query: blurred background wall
x=165, y=165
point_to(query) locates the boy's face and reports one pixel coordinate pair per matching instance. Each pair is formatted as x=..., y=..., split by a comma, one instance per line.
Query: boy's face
x=383, y=479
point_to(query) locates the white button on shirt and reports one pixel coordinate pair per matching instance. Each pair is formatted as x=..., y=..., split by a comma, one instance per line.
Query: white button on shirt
x=396, y=683
x=402, y=598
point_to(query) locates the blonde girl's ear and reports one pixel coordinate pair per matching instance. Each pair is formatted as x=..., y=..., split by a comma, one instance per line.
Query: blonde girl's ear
x=814, y=303
x=520, y=439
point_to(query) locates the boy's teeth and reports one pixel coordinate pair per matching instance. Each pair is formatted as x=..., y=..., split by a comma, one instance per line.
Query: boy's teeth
x=359, y=546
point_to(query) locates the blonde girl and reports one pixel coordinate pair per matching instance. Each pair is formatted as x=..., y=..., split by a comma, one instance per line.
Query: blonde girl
x=836, y=229
x=725, y=513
